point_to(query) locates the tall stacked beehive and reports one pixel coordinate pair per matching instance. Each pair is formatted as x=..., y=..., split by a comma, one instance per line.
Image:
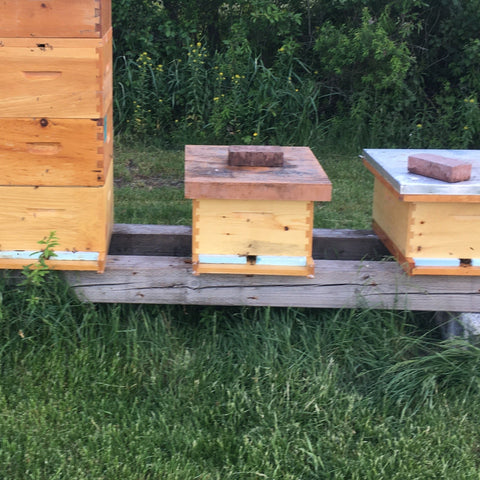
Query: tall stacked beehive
x=56, y=129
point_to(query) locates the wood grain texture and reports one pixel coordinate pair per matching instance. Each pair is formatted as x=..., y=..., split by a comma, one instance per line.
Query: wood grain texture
x=82, y=218
x=252, y=227
x=450, y=230
x=392, y=215
x=208, y=175
x=254, y=269
x=55, y=18
x=337, y=284
x=243, y=228
x=55, y=151
x=58, y=78
x=427, y=230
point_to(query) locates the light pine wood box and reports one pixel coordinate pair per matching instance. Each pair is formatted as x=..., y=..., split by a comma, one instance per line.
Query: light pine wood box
x=253, y=220
x=431, y=227
x=81, y=217
x=55, y=18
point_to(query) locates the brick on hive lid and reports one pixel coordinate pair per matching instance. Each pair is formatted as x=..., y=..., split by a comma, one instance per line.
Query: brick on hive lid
x=255, y=156
x=441, y=168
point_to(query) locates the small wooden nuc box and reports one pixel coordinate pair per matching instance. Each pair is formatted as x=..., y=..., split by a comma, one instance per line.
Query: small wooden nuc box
x=432, y=227
x=249, y=219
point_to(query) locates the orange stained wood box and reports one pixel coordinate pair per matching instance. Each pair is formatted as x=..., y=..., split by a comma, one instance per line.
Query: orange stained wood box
x=56, y=77
x=253, y=220
x=432, y=227
x=55, y=18
x=47, y=151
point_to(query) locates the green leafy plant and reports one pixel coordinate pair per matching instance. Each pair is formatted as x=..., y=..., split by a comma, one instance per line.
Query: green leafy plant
x=35, y=273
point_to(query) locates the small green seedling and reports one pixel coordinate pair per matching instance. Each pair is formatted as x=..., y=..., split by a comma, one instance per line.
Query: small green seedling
x=36, y=272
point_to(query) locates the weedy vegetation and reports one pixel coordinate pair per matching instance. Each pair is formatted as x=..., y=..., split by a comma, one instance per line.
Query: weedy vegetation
x=345, y=74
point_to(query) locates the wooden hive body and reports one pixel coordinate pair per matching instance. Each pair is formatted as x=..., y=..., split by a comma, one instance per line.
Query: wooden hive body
x=56, y=131
x=55, y=18
x=56, y=77
x=428, y=233
x=81, y=217
x=253, y=220
x=56, y=151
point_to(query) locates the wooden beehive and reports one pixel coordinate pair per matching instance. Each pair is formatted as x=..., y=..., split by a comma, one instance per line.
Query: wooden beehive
x=56, y=131
x=56, y=77
x=56, y=151
x=55, y=18
x=81, y=217
x=431, y=227
x=253, y=220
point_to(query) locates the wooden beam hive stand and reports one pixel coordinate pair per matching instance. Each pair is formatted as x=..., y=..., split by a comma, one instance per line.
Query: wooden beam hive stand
x=252, y=241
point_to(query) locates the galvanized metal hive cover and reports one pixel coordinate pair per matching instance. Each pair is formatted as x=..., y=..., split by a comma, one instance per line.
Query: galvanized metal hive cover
x=392, y=165
x=208, y=175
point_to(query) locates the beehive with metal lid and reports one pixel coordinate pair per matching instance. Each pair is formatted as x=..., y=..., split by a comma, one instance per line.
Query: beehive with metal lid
x=250, y=219
x=432, y=227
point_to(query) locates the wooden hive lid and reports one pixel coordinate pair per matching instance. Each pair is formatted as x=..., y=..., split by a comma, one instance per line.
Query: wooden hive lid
x=208, y=175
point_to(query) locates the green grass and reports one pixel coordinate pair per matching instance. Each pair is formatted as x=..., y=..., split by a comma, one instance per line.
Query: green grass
x=149, y=189
x=173, y=392
x=147, y=392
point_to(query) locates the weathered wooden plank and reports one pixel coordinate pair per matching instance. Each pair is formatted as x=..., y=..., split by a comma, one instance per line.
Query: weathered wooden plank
x=347, y=245
x=337, y=284
x=176, y=240
x=151, y=240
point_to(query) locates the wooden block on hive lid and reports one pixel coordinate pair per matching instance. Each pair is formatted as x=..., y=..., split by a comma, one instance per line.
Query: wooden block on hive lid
x=81, y=217
x=55, y=18
x=56, y=151
x=450, y=170
x=57, y=78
